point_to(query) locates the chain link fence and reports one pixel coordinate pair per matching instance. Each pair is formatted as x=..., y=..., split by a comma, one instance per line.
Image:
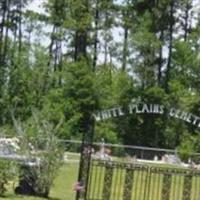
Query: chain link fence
x=129, y=153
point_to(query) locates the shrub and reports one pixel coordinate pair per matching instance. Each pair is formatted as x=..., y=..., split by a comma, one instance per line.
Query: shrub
x=7, y=173
x=44, y=154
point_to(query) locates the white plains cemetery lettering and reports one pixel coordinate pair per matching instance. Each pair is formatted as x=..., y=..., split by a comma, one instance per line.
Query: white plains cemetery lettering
x=140, y=108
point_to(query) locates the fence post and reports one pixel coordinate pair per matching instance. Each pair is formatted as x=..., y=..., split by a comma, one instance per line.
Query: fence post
x=107, y=181
x=128, y=184
x=166, y=186
x=84, y=165
x=187, y=187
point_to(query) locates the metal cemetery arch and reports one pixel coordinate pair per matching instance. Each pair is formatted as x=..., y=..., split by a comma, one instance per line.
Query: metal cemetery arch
x=133, y=107
x=140, y=107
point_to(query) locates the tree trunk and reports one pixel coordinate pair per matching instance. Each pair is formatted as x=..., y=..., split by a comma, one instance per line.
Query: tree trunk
x=186, y=18
x=168, y=70
x=51, y=45
x=81, y=33
x=5, y=48
x=96, y=35
x=20, y=29
x=125, y=48
x=4, y=9
x=106, y=39
x=160, y=61
x=80, y=45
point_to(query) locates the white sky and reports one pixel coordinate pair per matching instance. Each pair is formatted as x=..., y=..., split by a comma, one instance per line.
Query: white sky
x=36, y=5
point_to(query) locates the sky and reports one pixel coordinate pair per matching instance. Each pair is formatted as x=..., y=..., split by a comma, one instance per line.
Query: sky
x=36, y=5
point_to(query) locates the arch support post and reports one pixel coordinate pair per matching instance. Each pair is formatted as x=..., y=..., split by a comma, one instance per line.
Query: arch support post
x=85, y=158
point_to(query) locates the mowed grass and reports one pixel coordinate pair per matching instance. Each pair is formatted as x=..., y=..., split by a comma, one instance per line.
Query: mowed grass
x=61, y=190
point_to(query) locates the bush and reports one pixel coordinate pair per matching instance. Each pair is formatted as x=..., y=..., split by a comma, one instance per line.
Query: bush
x=44, y=154
x=186, y=147
x=50, y=160
x=7, y=173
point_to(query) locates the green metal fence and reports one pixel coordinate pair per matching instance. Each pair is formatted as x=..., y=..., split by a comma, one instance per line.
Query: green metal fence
x=123, y=181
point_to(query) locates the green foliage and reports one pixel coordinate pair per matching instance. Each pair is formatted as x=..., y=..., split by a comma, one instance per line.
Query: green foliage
x=80, y=93
x=106, y=130
x=8, y=172
x=186, y=147
x=44, y=76
x=73, y=103
x=155, y=95
x=39, y=143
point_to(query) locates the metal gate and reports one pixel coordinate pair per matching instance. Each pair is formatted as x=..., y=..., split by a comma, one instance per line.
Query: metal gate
x=110, y=180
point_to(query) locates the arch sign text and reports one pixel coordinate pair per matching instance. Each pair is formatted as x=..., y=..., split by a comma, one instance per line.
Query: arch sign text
x=140, y=108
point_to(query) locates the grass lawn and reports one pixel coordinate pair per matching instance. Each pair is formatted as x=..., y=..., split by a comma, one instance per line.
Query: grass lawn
x=62, y=189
